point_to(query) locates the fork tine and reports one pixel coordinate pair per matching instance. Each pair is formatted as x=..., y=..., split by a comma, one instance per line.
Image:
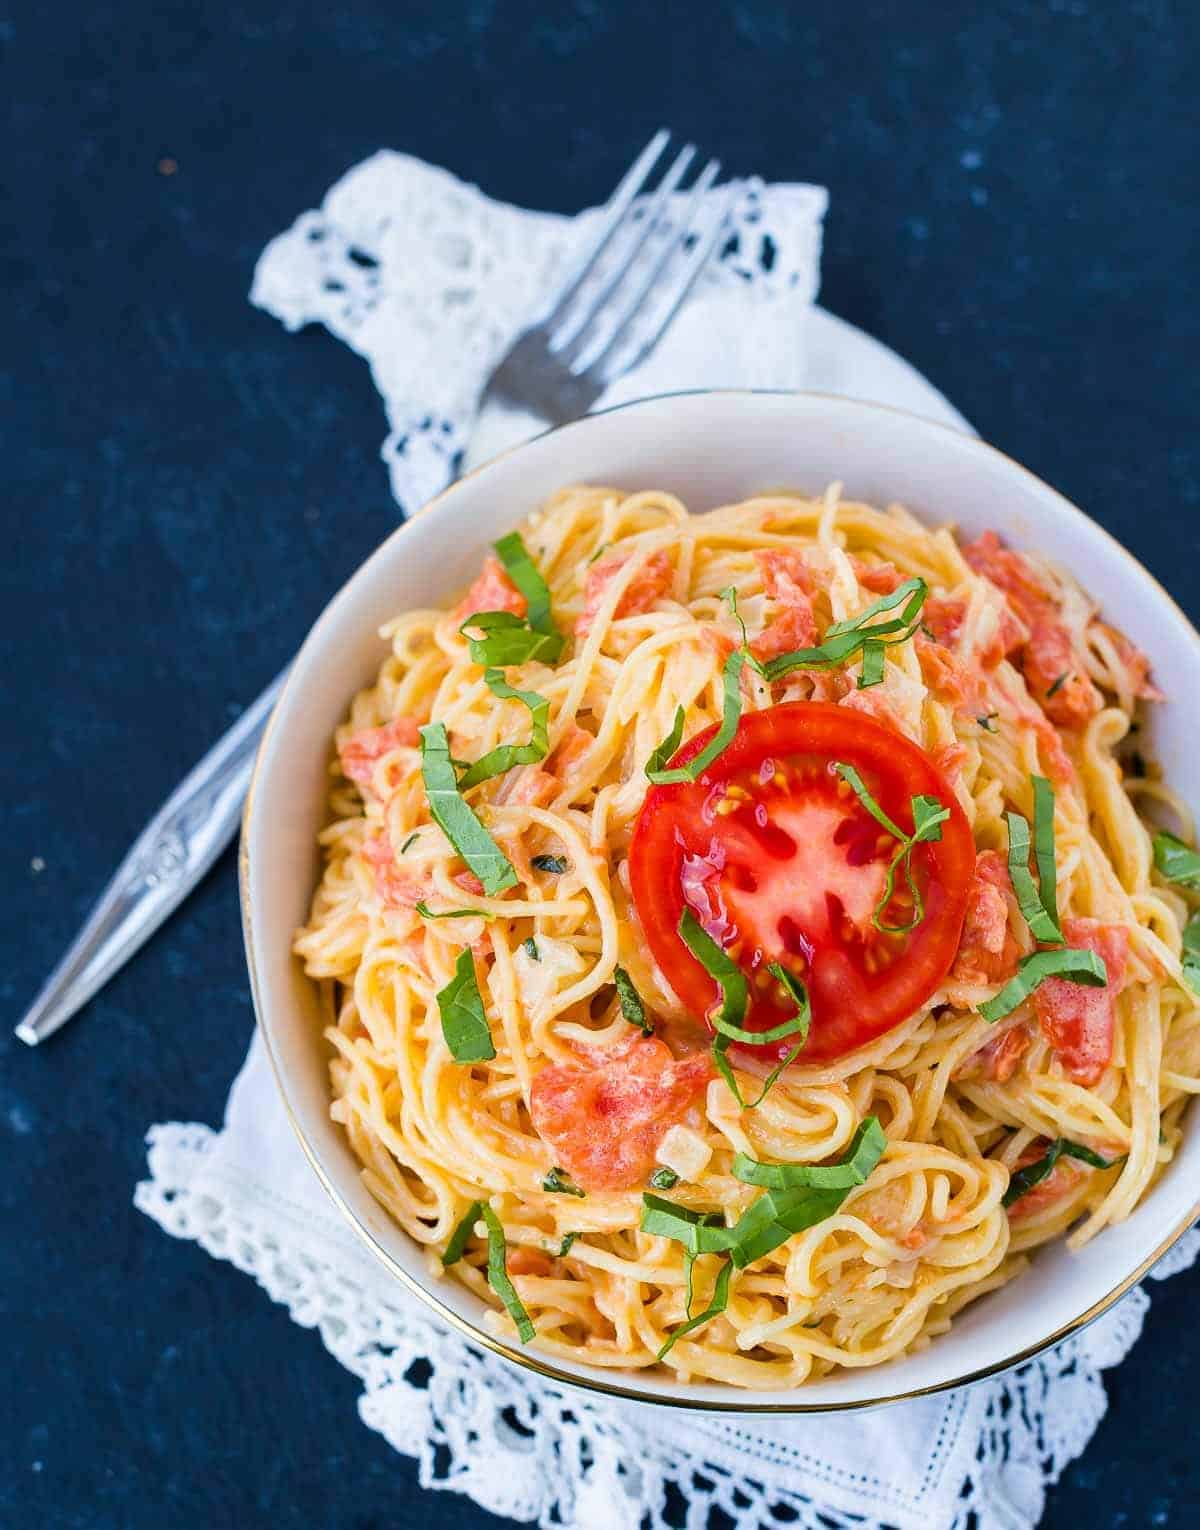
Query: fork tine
x=641, y=288
x=696, y=262
x=654, y=213
x=619, y=204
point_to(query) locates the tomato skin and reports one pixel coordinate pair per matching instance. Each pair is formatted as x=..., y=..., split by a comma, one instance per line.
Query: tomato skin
x=851, y=1005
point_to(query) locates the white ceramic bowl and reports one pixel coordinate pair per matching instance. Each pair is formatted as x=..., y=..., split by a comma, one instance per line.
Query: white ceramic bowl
x=710, y=449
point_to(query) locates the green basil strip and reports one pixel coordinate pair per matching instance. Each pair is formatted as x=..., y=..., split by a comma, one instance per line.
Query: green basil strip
x=408, y=842
x=1058, y=684
x=1075, y=966
x=928, y=816
x=1176, y=861
x=1043, y=846
x=461, y=1235
x=464, y=1024
x=866, y=1149
x=455, y=817
x=1191, y=953
x=664, y=1179
x=844, y=639
x=497, y=1274
x=556, y=864
x=728, y=975
x=856, y=783
x=529, y=946
x=718, y=1304
x=496, y=761
x=452, y=913
x=523, y=571
x=508, y=639
x=778, y=1214
x=872, y=664
x=731, y=712
x=564, y=1248
x=1033, y=1174
x=727, y=1021
x=988, y=722
x=700, y=1232
x=558, y=1183
x=1030, y=895
x=631, y=1003
x=657, y=763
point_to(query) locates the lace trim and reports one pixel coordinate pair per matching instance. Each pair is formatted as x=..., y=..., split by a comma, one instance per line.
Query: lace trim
x=436, y=1398
x=430, y=281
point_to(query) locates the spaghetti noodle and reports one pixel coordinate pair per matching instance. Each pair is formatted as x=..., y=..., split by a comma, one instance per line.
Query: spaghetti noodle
x=532, y=1099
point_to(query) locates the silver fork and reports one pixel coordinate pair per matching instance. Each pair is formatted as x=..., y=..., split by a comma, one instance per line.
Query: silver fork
x=612, y=310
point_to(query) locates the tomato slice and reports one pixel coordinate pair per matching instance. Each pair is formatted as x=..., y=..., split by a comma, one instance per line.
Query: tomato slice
x=780, y=862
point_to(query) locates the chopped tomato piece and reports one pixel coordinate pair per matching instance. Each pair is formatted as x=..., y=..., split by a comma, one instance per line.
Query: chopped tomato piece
x=790, y=628
x=988, y=950
x=605, y=1120
x=950, y=759
x=362, y=750
x=1078, y=1021
x=651, y=581
x=1061, y=1180
x=943, y=673
x=944, y=618
x=1054, y=669
x=572, y=746
x=396, y=888
x=492, y=591
x=999, y=1058
x=533, y=788
x=528, y=1261
x=880, y=578
x=788, y=582
x=469, y=882
x=780, y=862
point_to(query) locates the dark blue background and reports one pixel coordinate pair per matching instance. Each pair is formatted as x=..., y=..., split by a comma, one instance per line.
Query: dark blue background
x=1014, y=201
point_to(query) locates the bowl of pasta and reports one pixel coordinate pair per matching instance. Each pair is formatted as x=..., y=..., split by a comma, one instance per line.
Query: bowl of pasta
x=720, y=905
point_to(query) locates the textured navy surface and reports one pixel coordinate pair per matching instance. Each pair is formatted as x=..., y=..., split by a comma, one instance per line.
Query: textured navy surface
x=1014, y=200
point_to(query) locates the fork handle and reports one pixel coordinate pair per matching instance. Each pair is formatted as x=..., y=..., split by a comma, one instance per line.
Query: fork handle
x=165, y=862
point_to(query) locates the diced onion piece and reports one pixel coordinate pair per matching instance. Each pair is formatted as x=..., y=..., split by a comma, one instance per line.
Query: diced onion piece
x=683, y=1151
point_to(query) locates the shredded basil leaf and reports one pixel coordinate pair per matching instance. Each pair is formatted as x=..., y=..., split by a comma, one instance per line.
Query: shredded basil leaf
x=508, y=639
x=844, y=639
x=462, y=1233
x=872, y=664
x=657, y=763
x=1191, y=953
x=557, y=1182
x=464, y=1024
x=700, y=1232
x=1039, y=903
x=1176, y=861
x=779, y=1213
x=456, y=818
x=731, y=711
x=1033, y=1174
x=552, y=863
x=497, y=1274
x=664, y=1179
x=564, y=1248
x=599, y=553
x=523, y=571
x=1058, y=684
x=863, y=1154
x=409, y=841
x=530, y=949
x=727, y=1020
x=718, y=1304
x=631, y=1003
x=928, y=816
x=988, y=722
x=452, y=913
x=496, y=761
x=1075, y=966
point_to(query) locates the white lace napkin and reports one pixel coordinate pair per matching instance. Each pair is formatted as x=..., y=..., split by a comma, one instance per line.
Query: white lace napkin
x=428, y=280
